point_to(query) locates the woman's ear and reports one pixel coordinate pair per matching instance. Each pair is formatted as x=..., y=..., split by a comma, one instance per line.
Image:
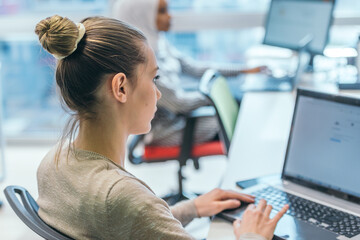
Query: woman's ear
x=120, y=87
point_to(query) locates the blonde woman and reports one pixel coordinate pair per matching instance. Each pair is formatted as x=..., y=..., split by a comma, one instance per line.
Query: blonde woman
x=106, y=73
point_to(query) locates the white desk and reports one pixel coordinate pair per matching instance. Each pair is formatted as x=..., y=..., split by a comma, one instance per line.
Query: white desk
x=260, y=139
x=259, y=144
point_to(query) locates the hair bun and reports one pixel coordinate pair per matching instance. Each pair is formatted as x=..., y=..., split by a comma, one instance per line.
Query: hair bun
x=57, y=35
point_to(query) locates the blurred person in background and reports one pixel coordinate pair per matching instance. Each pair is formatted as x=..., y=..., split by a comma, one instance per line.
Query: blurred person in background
x=152, y=18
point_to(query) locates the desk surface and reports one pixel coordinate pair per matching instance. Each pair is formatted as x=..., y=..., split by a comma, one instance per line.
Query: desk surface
x=260, y=139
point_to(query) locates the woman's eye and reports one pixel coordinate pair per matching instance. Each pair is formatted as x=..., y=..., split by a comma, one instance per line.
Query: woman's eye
x=156, y=78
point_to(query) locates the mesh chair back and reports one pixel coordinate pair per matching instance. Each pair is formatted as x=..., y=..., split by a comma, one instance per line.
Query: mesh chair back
x=27, y=210
x=215, y=87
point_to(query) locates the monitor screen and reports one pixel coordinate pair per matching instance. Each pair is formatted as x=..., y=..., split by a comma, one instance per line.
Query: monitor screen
x=289, y=22
x=324, y=145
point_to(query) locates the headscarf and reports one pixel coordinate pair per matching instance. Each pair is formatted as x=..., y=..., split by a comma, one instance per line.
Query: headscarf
x=141, y=14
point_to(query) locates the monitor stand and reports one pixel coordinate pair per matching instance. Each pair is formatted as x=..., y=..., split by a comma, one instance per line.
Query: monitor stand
x=310, y=67
x=350, y=85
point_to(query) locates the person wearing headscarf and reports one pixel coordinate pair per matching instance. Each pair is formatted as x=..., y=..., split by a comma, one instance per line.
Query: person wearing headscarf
x=152, y=18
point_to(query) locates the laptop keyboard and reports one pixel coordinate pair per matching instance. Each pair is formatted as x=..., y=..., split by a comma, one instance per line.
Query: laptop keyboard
x=325, y=217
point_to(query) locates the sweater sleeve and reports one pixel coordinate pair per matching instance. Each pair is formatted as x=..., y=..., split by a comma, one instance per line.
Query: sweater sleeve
x=184, y=211
x=197, y=69
x=134, y=212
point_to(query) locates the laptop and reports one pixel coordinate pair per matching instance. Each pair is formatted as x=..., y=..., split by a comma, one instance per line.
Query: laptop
x=321, y=173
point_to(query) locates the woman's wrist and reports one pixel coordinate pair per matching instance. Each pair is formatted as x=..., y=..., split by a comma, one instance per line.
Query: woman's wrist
x=195, y=208
x=251, y=236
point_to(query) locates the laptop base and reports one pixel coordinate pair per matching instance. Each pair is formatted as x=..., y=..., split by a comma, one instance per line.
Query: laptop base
x=288, y=227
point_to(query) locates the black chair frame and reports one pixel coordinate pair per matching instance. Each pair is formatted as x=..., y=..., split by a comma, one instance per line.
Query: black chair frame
x=185, y=151
x=27, y=211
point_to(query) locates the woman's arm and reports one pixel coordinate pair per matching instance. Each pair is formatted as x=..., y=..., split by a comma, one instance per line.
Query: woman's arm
x=134, y=212
x=184, y=211
x=197, y=69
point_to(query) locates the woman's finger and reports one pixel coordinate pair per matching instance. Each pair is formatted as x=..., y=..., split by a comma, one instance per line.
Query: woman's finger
x=237, y=223
x=280, y=214
x=228, y=204
x=261, y=205
x=251, y=206
x=267, y=211
x=235, y=195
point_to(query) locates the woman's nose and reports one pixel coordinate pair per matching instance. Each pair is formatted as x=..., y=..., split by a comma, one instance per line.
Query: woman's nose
x=158, y=94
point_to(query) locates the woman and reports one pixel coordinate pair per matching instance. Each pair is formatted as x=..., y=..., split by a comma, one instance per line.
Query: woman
x=152, y=17
x=106, y=73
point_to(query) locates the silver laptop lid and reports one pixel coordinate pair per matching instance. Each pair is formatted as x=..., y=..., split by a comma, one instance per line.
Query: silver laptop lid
x=324, y=144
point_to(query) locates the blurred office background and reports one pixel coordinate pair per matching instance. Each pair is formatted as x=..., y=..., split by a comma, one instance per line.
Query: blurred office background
x=216, y=30
x=207, y=30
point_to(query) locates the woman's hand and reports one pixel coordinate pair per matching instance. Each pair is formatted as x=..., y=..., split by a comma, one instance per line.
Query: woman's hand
x=256, y=220
x=218, y=200
x=259, y=69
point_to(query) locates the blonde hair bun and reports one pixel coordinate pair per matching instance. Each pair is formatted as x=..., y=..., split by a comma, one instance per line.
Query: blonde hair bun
x=59, y=35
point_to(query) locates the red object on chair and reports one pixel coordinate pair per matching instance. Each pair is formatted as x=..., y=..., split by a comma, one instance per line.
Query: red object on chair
x=156, y=153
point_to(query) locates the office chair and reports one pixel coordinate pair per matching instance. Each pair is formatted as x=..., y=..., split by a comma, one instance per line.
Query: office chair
x=187, y=150
x=216, y=89
x=27, y=210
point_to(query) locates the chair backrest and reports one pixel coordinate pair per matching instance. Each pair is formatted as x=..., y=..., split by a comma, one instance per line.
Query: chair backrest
x=27, y=210
x=215, y=87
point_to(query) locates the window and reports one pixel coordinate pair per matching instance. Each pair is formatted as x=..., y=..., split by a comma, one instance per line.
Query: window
x=31, y=108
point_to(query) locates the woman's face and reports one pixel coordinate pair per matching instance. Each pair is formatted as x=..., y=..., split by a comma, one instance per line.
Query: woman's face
x=145, y=95
x=163, y=17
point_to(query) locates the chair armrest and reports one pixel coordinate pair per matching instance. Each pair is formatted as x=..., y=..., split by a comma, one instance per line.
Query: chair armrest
x=206, y=111
x=189, y=130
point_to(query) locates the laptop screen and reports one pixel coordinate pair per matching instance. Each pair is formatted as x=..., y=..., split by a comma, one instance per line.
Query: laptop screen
x=324, y=143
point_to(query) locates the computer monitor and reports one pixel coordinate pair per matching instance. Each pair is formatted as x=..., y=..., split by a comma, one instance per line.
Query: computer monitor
x=290, y=22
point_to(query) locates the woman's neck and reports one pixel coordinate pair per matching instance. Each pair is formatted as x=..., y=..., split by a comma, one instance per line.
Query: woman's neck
x=104, y=138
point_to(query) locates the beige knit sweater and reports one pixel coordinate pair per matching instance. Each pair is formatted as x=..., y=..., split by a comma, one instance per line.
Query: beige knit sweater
x=89, y=197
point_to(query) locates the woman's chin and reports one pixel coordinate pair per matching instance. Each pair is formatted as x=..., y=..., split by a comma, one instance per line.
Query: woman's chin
x=142, y=131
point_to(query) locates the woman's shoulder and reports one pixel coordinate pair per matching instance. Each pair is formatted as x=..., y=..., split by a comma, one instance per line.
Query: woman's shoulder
x=128, y=187
x=129, y=196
